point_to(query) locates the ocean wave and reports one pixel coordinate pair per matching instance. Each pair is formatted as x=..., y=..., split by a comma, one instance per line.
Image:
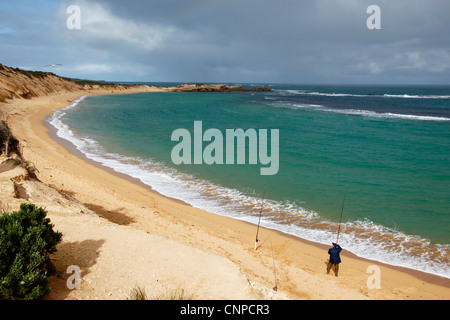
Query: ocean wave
x=358, y=112
x=363, y=238
x=407, y=96
x=332, y=94
x=303, y=92
x=388, y=115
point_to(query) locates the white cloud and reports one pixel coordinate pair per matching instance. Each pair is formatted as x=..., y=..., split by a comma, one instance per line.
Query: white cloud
x=425, y=60
x=103, y=30
x=92, y=68
x=297, y=41
x=374, y=68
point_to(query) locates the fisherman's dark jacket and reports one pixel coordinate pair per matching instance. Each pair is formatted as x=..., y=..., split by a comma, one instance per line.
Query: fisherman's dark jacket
x=334, y=254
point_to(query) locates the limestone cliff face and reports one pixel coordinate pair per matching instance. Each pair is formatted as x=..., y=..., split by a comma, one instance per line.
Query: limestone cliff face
x=17, y=83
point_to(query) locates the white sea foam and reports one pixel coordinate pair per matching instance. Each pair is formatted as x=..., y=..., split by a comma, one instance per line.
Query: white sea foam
x=407, y=96
x=373, y=114
x=357, y=112
x=333, y=94
x=363, y=238
x=315, y=93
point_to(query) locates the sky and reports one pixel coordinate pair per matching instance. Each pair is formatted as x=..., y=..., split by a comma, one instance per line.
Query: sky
x=231, y=41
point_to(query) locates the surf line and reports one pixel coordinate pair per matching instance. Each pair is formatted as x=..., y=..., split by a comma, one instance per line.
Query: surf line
x=234, y=153
x=340, y=219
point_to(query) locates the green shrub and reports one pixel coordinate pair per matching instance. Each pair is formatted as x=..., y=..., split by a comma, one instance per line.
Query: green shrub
x=26, y=240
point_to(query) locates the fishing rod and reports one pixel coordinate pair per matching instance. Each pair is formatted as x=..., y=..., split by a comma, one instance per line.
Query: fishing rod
x=259, y=220
x=274, y=270
x=340, y=219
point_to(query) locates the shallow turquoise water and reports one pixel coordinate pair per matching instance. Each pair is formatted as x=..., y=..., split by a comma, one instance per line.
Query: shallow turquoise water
x=388, y=149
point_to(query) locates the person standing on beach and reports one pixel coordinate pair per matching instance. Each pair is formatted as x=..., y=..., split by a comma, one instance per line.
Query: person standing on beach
x=335, y=258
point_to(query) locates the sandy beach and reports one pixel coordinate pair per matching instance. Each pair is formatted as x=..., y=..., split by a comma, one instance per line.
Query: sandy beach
x=123, y=235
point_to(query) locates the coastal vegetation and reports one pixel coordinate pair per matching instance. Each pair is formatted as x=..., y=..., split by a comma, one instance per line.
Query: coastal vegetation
x=27, y=239
x=172, y=293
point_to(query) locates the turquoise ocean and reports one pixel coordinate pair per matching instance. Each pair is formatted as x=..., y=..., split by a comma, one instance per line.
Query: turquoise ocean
x=386, y=149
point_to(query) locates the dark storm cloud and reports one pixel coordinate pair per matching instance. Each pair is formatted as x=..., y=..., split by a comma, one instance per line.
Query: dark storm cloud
x=323, y=41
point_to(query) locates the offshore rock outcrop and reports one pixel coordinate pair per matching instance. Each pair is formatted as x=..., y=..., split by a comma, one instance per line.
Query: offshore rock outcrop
x=215, y=88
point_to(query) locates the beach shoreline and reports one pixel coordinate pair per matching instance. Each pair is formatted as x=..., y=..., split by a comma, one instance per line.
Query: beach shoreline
x=300, y=263
x=71, y=148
